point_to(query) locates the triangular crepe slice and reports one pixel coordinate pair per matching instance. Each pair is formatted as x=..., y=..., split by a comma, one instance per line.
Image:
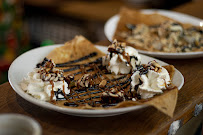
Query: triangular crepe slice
x=74, y=49
x=165, y=102
x=132, y=16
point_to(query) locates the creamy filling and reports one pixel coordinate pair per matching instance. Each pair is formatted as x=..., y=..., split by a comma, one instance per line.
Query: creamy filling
x=35, y=86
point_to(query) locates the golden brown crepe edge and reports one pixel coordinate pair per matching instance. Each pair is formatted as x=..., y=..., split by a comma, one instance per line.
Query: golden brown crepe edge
x=74, y=49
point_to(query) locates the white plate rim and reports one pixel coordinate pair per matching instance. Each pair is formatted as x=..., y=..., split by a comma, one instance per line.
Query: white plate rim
x=196, y=21
x=77, y=112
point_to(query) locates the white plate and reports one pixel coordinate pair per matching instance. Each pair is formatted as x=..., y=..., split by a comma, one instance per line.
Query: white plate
x=111, y=24
x=26, y=63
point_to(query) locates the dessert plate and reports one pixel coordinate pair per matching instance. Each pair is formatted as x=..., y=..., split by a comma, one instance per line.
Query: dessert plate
x=111, y=24
x=27, y=62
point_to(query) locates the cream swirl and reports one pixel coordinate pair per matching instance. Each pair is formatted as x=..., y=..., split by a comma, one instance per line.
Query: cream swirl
x=121, y=59
x=43, y=82
x=153, y=82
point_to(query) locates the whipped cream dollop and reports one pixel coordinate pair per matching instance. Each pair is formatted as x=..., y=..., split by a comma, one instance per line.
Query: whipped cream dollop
x=46, y=83
x=150, y=80
x=121, y=59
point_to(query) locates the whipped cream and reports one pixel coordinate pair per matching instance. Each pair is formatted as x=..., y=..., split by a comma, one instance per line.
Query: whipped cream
x=40, y=83
x=121, y=59
x=151, y=83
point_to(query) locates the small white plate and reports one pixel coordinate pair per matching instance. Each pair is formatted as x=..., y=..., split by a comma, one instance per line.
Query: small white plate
x=26, y=63
x=111, y=24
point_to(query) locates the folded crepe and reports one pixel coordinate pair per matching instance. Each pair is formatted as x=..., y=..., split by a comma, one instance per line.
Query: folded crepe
x=132, y=16
x=74, y=49
x=80, y=47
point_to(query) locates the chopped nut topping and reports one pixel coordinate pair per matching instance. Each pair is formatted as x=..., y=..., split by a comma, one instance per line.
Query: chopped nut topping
x=117, y=47
x=153, y=65
x=69, y=78
x=48, y=71
x=85, y=81
x=112, y=96
x=102, y=83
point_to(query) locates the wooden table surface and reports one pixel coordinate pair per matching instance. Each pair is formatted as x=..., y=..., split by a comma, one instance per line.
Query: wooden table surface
x=104, y=9
x=145, y=121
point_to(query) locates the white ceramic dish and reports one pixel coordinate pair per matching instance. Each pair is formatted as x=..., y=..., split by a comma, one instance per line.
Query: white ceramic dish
x=26, y=63
x=111, y=24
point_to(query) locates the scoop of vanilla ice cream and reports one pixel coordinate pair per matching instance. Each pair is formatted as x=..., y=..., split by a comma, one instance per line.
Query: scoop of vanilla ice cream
x=152, y=83
x=40, y=89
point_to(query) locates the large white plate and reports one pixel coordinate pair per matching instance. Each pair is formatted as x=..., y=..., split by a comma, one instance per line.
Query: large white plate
x=26, y=63
x=111, y=24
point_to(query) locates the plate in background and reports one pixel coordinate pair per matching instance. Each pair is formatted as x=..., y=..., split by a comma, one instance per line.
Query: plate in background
x=111, y=24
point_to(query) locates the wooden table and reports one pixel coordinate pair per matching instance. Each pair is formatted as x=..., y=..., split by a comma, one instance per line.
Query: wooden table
x=102, y=10
x=145, y=121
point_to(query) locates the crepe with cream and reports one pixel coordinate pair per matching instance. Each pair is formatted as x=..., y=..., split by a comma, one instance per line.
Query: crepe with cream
x=90, y=85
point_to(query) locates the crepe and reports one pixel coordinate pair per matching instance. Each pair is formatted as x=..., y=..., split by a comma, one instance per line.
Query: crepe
x=132, y=16
x=80, y=47
x=74, y=49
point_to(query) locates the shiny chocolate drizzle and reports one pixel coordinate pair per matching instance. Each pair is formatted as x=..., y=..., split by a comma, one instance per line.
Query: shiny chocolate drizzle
x=91, y=95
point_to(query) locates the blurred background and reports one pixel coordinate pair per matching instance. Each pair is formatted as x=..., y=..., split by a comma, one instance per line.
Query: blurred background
x=27, y=24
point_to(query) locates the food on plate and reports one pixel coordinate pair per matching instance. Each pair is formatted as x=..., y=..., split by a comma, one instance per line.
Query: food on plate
x=154, y=32
x=78, y=75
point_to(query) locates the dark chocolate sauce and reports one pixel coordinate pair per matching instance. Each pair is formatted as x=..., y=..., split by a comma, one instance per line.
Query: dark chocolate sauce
x=71, y=104
x=78, y=60
x=57, y=93
x=92, y=94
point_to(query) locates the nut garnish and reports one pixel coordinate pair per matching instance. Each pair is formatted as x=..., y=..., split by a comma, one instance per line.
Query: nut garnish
x=102, y=83
x=112, y=96
x=48, y=72
x=85, y=81
x=117, y=47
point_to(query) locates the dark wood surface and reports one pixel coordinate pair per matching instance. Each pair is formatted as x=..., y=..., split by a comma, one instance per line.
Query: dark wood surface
x=103, y=10
x=145, y=121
